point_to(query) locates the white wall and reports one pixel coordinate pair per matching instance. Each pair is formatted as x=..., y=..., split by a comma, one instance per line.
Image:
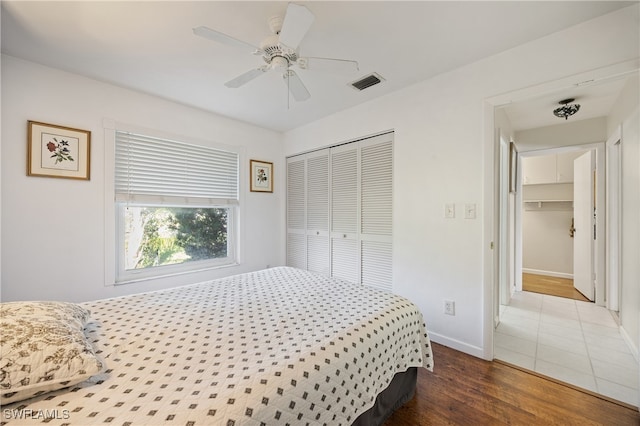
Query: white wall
x=626, y=113
x=547, y=248
x=53, y=230
x=444, y=153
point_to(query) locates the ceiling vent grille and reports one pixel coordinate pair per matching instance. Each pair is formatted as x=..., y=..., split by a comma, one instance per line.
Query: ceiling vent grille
x=367, y=81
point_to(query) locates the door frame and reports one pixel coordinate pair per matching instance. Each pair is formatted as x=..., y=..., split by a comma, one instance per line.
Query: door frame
x=614, y=218
x=491, y=181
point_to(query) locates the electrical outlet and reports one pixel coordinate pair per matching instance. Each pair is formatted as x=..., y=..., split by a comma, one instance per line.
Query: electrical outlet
x=449, y=307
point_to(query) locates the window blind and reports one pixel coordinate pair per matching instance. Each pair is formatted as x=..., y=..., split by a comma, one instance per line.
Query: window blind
x=155, y=170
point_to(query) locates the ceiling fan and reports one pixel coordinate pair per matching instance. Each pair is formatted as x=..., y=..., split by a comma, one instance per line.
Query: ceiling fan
x=280, y=51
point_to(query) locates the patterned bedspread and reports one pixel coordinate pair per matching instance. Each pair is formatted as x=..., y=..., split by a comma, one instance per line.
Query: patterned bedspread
x=274, y=347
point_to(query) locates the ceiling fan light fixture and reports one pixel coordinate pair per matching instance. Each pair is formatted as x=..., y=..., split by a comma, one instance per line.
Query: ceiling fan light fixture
x=566, y=109
x=279, y=63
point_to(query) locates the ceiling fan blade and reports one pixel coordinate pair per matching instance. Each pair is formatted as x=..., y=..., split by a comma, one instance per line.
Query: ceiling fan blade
x=295, y=85
x=246, y=77
x=296, y=23
x=223, y=38
x=328, y=64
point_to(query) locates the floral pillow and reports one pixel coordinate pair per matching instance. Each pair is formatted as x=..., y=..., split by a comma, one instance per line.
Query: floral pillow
x=43, y=348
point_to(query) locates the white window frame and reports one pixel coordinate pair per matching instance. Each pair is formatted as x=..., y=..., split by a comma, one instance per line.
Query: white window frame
x=114, y=224
x=124, y=276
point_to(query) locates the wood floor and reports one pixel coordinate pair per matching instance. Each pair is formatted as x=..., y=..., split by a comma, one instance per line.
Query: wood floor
x=464, y=390
x=562, y=287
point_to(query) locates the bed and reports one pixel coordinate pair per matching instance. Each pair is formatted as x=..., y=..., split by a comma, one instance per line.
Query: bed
x=280, y=346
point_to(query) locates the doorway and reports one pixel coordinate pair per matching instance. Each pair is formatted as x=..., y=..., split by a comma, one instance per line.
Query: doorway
x=550, y=237
x=550, y=335
x=559, y=337
x=558, y=213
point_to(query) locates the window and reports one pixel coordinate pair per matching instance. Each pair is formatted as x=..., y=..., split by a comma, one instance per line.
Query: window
x=176, y=206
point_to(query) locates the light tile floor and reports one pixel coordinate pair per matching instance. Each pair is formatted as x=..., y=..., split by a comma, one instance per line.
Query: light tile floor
x=569, y=340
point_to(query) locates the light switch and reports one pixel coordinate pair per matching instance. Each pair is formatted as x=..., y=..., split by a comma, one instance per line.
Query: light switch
x=469, y=211
x=450, y=211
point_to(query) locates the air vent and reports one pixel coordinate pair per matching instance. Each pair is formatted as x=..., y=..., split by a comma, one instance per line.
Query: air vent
x=367, y=81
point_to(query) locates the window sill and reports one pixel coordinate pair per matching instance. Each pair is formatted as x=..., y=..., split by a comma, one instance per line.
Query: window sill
x=145, y=277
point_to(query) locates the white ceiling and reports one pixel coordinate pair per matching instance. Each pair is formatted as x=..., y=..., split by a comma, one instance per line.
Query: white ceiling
x=596, y=99
x=149, y=46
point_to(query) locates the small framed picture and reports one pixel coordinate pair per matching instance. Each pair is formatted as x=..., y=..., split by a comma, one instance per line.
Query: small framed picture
x=58, y=151
x=261, y=176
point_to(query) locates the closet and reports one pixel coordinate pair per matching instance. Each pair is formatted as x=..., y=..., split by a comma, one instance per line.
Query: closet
x=547, y=214
x=339, y=211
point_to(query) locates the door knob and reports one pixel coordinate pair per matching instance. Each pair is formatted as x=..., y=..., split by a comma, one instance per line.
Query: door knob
x=572, y=229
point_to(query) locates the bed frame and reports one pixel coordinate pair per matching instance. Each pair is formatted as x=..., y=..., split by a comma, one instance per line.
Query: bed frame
x=401, y=390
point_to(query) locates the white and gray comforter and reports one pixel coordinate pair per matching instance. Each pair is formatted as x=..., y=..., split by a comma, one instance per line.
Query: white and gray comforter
x=274, y=347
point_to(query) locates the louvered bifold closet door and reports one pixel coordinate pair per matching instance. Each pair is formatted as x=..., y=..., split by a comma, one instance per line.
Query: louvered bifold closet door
x=296, y=212
x=317, y=185
x=376, y=211
x=345, y=253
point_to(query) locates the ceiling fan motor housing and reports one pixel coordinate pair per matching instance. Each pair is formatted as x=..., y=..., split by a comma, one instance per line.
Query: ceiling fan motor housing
x=273, y=49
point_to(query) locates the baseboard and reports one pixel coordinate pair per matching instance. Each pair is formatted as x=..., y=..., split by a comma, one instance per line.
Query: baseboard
x=457, y=345
x=547, y=273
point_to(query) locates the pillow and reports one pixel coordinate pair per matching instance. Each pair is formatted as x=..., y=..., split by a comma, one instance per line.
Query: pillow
x=43, y=348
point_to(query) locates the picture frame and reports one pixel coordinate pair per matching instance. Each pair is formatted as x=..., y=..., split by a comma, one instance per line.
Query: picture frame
x=261, y=176
x=58, y=151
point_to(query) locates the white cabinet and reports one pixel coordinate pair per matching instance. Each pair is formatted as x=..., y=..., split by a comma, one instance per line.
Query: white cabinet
x=339, y=211
x=539, y=170
x=546, y=169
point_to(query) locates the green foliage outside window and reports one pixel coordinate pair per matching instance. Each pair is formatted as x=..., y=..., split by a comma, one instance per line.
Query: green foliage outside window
x=158, y=236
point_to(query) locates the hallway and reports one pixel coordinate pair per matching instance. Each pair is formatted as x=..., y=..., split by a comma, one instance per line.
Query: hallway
x=573, y=341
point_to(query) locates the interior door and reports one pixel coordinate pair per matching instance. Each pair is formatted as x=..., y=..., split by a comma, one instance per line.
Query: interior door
x=345, y=252
x=583, y=213
x=317, y=190
x=296, y=213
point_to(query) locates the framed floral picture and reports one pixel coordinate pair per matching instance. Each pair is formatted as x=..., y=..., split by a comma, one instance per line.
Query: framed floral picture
x=58, y=151
x=261, y=176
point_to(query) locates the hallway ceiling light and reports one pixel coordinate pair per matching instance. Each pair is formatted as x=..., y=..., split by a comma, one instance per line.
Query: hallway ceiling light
x=567, y=109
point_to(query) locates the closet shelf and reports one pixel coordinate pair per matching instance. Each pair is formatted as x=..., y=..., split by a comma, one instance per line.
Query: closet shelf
x=532, y=204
